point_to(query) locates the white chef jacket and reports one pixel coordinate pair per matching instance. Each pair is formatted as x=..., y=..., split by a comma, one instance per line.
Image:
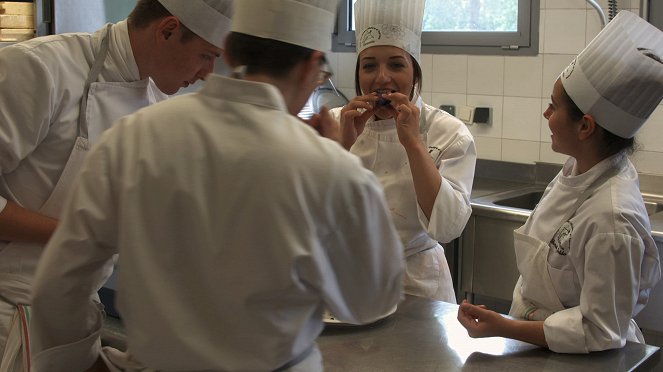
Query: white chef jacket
x=602, y=262
x=235, y=224
x=452, y=148
x=43, y=81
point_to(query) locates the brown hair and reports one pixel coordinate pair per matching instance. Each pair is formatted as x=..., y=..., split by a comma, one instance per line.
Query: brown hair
x=266, y=56
x=612, y=142
x=146, y=12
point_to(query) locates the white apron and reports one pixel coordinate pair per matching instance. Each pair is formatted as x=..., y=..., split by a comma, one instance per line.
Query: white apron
x=532, y=260
x=427, y=271
x=102, y=104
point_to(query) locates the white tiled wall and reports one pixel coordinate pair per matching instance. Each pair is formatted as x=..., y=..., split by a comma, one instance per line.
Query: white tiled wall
x=517, y=89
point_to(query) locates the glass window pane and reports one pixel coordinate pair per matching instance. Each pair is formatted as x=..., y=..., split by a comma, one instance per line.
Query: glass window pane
x=498, y=27
x=471, y=15
x=468, y=15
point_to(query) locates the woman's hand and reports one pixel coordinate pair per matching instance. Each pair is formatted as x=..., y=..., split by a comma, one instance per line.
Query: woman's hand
x=481, y=322
x=407, y=116
x=354, y=116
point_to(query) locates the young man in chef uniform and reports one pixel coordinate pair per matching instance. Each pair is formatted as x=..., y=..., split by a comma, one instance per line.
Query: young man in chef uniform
x=586, y=256
x=59, y=93
x=236, y=224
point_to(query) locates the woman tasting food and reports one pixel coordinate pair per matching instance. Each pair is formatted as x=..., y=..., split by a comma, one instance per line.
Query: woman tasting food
x=423, y=157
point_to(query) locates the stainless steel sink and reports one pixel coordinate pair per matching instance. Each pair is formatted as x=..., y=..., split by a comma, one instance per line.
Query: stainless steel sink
x=520, y=201
x=488, y=270
x=527, y=200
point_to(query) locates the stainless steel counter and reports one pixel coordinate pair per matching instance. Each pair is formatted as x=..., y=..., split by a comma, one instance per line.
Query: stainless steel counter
x=424, y=335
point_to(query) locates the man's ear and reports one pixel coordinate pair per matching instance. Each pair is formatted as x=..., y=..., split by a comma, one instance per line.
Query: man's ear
x=587, y=127
x=167, y=27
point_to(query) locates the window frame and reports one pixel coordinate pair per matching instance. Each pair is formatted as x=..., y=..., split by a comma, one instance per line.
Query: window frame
x=524, y=42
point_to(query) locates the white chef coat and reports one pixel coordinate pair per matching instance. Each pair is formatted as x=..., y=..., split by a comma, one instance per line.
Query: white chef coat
x=236, y=225
x=38, y=120
x=451, y=145
x=602, y=262
x=43, y=139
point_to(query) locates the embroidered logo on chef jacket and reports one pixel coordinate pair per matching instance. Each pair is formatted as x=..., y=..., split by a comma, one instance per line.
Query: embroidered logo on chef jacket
x=561, y=242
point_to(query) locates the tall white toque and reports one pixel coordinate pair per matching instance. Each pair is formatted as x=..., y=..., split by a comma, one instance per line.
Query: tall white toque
x=307, y=23
x=390, y=22
x=209, y=19
x=618, y=77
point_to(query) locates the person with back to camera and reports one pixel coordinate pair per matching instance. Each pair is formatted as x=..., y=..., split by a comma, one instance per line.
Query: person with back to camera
x=59, y=93
x=236, y=224
x=423, y=156
x=586, y=256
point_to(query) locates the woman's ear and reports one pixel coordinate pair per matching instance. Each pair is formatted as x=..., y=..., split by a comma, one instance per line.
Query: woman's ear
x=587, y=127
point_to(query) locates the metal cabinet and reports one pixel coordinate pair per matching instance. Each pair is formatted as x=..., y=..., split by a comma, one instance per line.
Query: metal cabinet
x=488, y=262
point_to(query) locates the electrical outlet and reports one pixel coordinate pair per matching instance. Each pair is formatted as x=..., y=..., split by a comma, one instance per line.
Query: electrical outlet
x=481, y=115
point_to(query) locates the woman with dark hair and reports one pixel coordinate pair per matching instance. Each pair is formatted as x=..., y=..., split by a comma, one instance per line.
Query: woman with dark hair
x=424, y=157
x=586, y=256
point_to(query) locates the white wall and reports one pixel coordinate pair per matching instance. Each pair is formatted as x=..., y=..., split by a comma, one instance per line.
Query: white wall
x=518, y=88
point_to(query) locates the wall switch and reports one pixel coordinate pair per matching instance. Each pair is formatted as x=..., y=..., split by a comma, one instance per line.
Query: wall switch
x=466, y=114
x=473, y=115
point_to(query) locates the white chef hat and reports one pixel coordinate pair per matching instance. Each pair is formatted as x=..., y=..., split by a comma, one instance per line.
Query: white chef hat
x=390, y=22
x=618, y=77
x=307, y=23
x=209, y=19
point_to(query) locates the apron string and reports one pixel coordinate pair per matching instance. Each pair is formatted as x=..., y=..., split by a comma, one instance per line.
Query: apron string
x=92, y=77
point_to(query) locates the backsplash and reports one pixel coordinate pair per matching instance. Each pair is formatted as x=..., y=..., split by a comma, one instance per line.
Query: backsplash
x=517, y=89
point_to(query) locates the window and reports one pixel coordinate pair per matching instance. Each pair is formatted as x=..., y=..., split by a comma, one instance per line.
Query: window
x=498, y=27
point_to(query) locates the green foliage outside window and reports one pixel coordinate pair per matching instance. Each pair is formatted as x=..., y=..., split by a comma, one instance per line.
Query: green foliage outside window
x=471, y=15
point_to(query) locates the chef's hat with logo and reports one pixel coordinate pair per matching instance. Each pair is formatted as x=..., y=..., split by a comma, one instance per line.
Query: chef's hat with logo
x=306, y=23
x=209, y=19
x=390, y=22
x=618, y=77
